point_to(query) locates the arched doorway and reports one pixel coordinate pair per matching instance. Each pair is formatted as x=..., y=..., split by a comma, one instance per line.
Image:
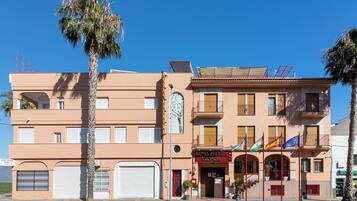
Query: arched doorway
x=252, y=167
x=273, y=167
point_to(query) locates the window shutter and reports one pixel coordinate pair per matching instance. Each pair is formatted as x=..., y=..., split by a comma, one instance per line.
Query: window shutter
x=241, y=131
x=281, y=104
x=241, y=104
x=271, y=133
x=26, y=135
x=251, y=104
x=77, y=135
x=120, y=135
x=149, y=135
x=102, y=135
x=250, y=136
x=150, y=103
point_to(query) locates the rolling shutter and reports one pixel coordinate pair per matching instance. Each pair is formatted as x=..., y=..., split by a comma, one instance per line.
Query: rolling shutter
x=26, y=135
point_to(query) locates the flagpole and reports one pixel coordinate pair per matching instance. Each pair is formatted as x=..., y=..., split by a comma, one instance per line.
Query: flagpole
x=281, y=168
x=246, y=166
x=299, y=173
x=263, y=170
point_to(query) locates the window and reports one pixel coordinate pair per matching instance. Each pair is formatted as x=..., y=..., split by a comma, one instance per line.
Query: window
x=60, y=101
x=312, y=102
x=210, y=102
x=120, y=135
x=276, y=104
x=102, y=135
x=58, y=138
x=305, y=165
x=318, y=165
x=102, y=103
x=246, y=104
x=312, y=136
x=246, y=131
x=44, y=106
x=77, y=135
x=149, y=135
x=32, y=181
x=274, y=132
x=176, y=113
x=101, y=181
x=277, y=190
x=150, y=103
x=26, y=135
x=313, y=189
x=340, y=183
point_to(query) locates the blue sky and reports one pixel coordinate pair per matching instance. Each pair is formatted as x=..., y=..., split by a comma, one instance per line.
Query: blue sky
x=208, y=33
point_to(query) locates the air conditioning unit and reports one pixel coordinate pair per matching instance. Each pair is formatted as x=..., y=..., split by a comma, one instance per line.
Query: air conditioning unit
x=97, y=163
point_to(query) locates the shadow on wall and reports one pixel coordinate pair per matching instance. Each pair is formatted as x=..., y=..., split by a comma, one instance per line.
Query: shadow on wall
x=79, y=89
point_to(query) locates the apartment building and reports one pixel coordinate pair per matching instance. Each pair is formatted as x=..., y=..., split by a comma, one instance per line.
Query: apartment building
x=132, y=150
x=232, y=105
x=206, y=114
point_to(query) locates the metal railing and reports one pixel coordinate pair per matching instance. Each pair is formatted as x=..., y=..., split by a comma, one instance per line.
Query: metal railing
x=209, y=107
x=208, y=141
x=246, y=109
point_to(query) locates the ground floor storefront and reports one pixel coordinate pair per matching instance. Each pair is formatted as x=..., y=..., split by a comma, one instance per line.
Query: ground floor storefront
x=114, y=179
x=274, y=176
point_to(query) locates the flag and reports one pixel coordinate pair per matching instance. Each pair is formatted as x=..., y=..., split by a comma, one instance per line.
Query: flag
x=275, y=143
x=240, y=146
x=292, y=142
x=257, y=146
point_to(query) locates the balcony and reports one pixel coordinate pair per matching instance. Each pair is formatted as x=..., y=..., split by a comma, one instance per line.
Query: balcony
x=208, y=142
x=313, y=114
x=78, y=116
x=246, y=110
x=313, y=109
x=208, y=109
x=322, y=142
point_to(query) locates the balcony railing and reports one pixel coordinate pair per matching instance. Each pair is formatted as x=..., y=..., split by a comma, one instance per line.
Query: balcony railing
x=208, y=141
x=209, y=109
x=319, y=111
x=246, y=109
x=322, y=140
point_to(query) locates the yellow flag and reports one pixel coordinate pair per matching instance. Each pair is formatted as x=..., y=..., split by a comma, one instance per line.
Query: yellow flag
x=275, y=143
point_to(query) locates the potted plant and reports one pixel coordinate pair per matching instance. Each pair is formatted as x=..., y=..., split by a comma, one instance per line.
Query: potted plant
x=238, y=188
x=268, y=167
x=187, y=184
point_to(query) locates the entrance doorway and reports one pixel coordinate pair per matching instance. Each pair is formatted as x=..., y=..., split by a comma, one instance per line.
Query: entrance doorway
x=176, y=183
x=212, y=182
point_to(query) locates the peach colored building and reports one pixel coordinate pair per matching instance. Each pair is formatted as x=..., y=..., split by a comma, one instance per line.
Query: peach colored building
x=207, y=115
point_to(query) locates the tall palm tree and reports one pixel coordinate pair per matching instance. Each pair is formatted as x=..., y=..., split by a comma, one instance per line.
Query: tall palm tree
x=94, y=23
x=341, y=65
x=6, y=104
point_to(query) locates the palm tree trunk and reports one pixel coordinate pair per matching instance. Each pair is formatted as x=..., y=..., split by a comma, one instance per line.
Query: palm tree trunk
x=93, y=79
x=347, y=195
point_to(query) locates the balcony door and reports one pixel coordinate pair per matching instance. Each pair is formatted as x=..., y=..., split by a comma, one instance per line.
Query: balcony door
x=210, y=135
x=210, y=103
x=312, y=135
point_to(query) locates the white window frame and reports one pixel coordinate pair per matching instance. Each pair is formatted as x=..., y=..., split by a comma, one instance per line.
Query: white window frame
x=26, y=139
x=102, y=139
x=118, y=131
x=60, y=103
x=99, y=181
x=154, y=132
x=104, y=106
x=148, y=104
x=57, y=138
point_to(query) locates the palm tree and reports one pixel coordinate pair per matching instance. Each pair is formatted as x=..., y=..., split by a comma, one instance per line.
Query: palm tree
x=341, y=65
x=6, y=104
x=94, y=23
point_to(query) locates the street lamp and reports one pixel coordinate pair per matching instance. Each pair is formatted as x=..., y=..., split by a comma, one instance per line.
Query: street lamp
x=170, y=142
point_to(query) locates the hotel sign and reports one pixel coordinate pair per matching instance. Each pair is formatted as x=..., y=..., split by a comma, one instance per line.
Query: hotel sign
x=213, y=156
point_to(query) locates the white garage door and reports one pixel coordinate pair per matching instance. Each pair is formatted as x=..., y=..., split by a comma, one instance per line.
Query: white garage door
x=136, y=182
x=70, y=182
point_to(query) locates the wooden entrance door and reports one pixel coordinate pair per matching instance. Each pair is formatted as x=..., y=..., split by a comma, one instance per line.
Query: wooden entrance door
x=210, y=103
x=212, y=182
x=210, y=135
x=176, y=183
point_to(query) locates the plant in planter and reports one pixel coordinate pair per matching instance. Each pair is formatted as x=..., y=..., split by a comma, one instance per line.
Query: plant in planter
x=238, y=187
x=187, y=184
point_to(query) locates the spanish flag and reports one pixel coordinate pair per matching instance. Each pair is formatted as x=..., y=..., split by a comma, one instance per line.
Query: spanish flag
x=276, y=143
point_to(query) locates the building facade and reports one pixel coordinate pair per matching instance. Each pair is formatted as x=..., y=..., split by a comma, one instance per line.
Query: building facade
x=339, y=139
x=206, y=116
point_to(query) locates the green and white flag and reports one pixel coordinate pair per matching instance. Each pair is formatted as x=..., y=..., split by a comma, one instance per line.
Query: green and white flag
x=240, y=146
x=257, y=146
